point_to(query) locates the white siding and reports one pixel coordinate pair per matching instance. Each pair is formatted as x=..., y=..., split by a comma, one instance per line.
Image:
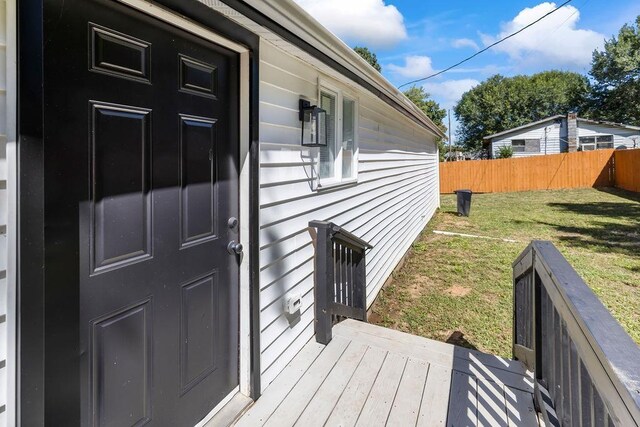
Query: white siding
x=396, y=194
x=7, y=213
x=556, y=139
x=621, y=137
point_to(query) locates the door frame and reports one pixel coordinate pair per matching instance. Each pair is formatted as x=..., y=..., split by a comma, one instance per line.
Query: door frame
x=188, y=15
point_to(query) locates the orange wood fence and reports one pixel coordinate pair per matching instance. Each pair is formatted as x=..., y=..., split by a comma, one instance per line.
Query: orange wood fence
x=555, y=171
x=627, y=174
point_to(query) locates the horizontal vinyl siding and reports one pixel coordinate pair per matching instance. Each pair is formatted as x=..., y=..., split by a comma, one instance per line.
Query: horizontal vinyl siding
x=621, y=137
x=5, y=315
x=555, y=141
x=396, y=194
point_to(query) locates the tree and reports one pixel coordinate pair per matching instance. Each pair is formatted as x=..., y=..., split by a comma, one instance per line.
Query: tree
x=505, y=152
x=615, y=71
x=431, y=109
x=368, y=56
x=500, y=103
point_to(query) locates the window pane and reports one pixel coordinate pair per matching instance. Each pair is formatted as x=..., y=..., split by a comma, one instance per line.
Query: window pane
x=532, y=145
x=587, y=139
x=348, y=137
x=603, y=145
x=328, y=153
x=518, y=145
x=605, y=138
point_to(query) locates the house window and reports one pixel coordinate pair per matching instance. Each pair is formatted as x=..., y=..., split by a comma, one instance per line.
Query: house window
x=600, y=142
x=518, y=145
x=338, y=160
x=525, y=145
x=328, y=101
x=604, y=141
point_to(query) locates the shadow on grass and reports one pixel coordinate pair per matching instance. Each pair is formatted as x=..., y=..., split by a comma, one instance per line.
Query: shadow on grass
x=613, y=226
x=457, y=338
x=629, y=195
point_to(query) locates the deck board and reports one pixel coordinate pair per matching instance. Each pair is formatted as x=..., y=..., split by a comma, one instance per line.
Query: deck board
x=321, y=405
x=406, y=405
x=297, y=400
x=492, y=408
x=376, y=408
x=463, y=401
x=435, y=399
x=369, y=375
x=281, y=386
x=347, y=410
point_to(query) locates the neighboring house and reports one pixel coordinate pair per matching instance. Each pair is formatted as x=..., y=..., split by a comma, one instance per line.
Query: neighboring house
x=148, y=140
x=454, y=156
x=561, y=134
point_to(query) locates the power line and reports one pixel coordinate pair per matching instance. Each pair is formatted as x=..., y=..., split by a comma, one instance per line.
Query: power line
x=571, y=16
x=488, y=47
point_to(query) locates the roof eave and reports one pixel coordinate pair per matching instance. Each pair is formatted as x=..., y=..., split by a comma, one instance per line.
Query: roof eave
x=606, y=123
x=525, y=126
x=296, y=20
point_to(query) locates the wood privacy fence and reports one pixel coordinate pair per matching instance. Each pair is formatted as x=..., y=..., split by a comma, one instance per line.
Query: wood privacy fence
x=627, y=169
x=599, y=168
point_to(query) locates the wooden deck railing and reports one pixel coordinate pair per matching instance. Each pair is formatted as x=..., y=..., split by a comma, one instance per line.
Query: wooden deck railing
x=584, y=362
x=340, y=278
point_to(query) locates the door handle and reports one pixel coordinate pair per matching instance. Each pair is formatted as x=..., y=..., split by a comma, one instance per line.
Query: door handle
x=234, y=248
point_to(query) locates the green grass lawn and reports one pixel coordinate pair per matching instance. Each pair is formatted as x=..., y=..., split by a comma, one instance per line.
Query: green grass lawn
x=459, y=290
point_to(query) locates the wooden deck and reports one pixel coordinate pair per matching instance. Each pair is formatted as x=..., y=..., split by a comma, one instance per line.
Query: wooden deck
x=370, y=376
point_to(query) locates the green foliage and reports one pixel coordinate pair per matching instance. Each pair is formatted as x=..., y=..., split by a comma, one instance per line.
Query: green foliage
x=500, y=103
x=430, y=107
x=470, y=286
x=616, y=74
x=432, y=110
x=368, y=56
x=505, y=152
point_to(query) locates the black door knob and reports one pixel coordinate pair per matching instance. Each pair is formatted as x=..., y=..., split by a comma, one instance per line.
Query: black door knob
x=234, y=248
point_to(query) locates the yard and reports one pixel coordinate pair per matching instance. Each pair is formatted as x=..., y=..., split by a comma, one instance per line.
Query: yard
x=459, y=290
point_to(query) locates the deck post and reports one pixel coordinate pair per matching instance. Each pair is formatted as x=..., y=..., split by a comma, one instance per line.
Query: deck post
x=324, y=277
x=360, y=291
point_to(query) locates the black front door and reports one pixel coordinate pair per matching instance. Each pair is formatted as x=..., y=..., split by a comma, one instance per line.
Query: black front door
x=141, y=181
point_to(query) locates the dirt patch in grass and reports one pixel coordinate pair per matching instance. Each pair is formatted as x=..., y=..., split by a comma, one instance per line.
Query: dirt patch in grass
x=459, y=289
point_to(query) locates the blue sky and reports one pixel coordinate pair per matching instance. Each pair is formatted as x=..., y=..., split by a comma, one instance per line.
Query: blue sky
x=413, y=38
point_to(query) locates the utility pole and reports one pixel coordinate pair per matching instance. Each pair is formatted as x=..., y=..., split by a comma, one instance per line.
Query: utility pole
x=449, y=115
x=546, y=130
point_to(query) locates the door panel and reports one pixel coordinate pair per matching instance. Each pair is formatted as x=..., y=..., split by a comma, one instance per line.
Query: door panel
x=122, y=381
x=121, y=205
x=198, y=178
x=141, y=160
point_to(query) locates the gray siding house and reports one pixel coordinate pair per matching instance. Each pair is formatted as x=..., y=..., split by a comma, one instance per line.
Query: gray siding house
x=177, y=204
x=561, y=134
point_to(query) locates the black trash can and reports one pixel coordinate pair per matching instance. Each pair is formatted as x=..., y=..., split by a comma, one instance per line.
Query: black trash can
x=464, y=201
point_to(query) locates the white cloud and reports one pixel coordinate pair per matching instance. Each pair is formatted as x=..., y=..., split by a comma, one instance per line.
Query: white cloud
x=449, y=92
x=554, y=41
x=369, y=22
x=414, y=67
x=458, y=43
